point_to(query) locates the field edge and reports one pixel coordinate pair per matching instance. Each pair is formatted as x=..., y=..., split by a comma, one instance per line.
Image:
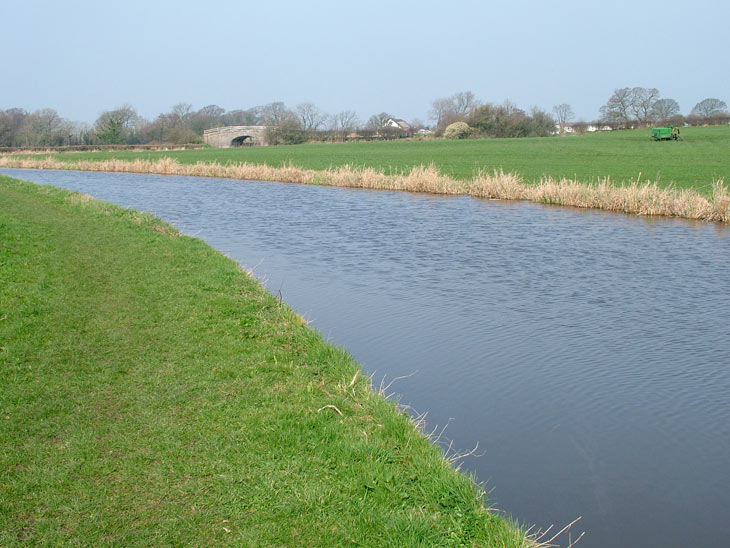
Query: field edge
x=637, y=197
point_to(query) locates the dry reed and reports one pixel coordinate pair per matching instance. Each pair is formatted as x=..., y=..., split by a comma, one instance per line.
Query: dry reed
x=633, y=197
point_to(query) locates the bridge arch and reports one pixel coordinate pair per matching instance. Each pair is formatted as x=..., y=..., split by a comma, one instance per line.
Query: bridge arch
x=242, y=141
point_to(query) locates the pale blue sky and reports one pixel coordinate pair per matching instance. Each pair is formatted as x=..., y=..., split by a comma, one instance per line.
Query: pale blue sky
x=82, y=57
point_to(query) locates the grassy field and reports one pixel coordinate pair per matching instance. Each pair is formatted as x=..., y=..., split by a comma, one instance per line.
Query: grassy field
x=155, y=395
x=701, y=157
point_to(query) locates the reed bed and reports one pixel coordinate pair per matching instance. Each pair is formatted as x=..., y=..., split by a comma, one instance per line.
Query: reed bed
x=633, y=197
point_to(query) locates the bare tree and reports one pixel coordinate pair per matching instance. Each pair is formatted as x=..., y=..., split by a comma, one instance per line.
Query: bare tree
x=664, y=109
x=212, y=111
x=78, y=132
x=249, y=117
x=709, y=107
x=563, y=114
x=126, y=114
x=642, y=102
x=343, y=123
x=177, y=126
x=377, y=121
x=182, y=112
x=11, y=121
x=417, y=124
x=617, y=109
x=6, y=130
x=458, y=107
x=207, y=117
x=311, y=117
x=440, y=110
x=511, y=108
x=41, y=128
x=274, y=113
x=627, y=104
x=464, y=102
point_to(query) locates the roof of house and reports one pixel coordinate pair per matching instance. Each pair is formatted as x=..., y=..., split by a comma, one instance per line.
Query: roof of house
x=400, y=123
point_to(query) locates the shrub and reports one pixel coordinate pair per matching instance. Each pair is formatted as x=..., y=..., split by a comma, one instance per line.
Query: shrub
x=580, y=128
x=457, y=130
x=287, y=133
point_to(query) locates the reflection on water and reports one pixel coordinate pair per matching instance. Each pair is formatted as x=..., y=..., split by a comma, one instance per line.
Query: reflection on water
x=588, y=353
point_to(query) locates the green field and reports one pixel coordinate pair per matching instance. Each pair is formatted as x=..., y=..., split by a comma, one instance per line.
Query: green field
x=152, y=394
x=701, y=157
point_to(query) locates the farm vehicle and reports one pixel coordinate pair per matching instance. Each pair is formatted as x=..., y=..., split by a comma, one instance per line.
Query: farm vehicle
x=665, y=133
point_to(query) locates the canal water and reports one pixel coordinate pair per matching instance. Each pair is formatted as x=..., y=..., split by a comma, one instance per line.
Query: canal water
x=586, y=353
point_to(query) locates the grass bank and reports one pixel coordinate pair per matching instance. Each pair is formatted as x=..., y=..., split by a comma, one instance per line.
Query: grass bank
x=155, y=394
x=634, y=197
x=695, y=162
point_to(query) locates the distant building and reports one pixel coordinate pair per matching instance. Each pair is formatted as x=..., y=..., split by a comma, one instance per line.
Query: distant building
x=397, y=123
x=594, y=127
x=570, y=127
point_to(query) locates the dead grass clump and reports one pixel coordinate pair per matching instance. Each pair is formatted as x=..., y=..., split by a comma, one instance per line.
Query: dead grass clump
x=428, y=179
x=720, y=210
x=164, y=228
x=497, y=185
x=79, y=198
x=637, y=198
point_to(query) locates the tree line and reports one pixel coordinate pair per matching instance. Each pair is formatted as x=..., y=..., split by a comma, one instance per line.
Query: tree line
x=463, y=113
x=636, y=107
x=181, y=125
x=284, y=125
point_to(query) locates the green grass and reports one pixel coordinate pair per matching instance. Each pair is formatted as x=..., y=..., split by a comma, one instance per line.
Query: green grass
x=155, y=395
x=701, y=157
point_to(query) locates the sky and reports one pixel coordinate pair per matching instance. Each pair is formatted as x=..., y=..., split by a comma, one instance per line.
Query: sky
x=83, y=57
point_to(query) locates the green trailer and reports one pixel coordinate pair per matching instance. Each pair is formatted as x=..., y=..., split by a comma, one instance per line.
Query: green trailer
x=665, y=133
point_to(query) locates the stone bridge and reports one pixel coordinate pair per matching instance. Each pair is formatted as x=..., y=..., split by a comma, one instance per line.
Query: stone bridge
x=235, y=136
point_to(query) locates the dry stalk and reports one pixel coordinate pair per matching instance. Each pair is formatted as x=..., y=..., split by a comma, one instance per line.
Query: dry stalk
x=455, y=456
x=333, y=407
x=541, y=541
x=383, y=390
x=352, y=382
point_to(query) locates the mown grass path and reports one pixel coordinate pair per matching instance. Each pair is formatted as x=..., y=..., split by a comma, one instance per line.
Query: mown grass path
x=154, y=394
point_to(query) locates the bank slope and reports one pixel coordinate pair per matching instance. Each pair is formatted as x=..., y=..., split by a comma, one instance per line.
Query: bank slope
x=155, y=394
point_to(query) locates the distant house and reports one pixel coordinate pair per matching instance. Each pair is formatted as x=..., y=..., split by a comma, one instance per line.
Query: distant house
x=397, y=123
x=394, y=128
x=572, y=127
x=594, y=127
x=424, y=131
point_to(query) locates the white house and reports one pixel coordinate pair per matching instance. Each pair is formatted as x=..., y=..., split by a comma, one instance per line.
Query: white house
x=397, y=123
x=570, y=127
x=593, y=127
